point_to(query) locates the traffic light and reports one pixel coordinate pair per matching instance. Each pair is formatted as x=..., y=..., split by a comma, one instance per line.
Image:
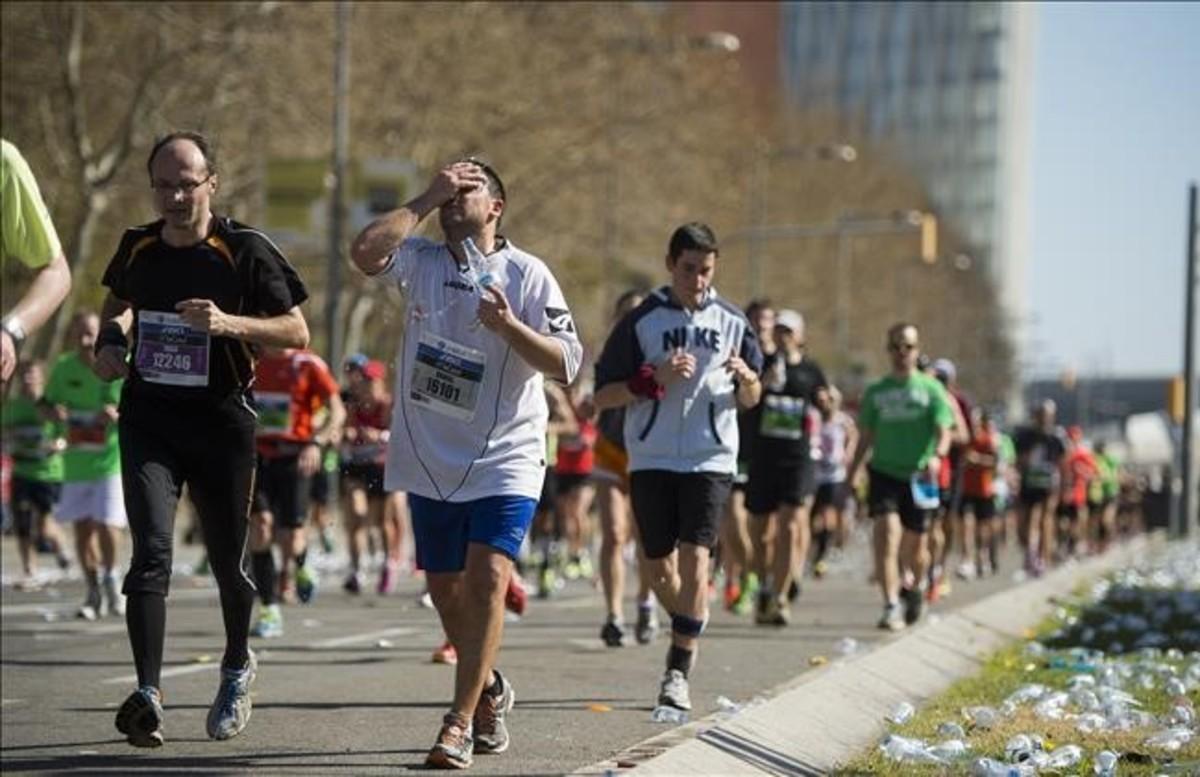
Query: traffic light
x=1176, y=399
x=929, y=246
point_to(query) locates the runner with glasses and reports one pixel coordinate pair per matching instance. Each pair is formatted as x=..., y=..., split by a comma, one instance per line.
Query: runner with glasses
x=905, y=422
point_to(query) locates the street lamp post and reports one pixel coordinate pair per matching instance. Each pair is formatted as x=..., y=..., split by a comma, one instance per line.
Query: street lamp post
x=835, y=152
x=717, y=40
x=845, y=228
x=337, y=199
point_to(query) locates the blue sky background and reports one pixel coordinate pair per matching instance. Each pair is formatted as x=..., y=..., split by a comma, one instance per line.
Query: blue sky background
x=1116, y=139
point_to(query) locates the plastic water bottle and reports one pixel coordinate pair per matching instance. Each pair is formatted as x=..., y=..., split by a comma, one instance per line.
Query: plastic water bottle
x=951, y=730
x=902, y=713
x=1063, y=757
x=950, y=750
x=905, y=750
x=1105, y=763
x=477, y=263
x=665, y=714
x=988, y=767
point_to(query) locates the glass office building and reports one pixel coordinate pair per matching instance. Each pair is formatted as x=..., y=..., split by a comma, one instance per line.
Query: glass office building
x=945, y=84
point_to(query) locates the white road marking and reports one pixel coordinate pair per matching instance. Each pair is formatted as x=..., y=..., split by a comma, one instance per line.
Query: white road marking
x=10, y=702
x=174, y=671
x=369, y=636
x=8, y=610
x=591, y=645
x=49, y=634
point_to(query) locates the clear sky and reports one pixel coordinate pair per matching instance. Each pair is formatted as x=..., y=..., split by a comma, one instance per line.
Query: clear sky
x=1116, y=139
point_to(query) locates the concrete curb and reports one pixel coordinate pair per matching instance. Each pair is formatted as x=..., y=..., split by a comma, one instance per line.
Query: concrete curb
x=826, y=716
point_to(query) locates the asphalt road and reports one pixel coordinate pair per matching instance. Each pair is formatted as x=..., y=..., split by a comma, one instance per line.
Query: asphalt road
x=350, y=688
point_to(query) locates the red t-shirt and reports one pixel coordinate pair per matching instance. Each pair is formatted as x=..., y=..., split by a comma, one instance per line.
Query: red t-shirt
x=289, y=388
x=363, y=417
x=977, y=478
x=1078, y=469
x=575, y=452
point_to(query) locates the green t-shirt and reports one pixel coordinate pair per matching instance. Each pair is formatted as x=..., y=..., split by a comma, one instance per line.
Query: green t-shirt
x=29, y=439
x=905, y=416
x=27, y=232
x=92, y=452
x=1108, y=485
x=1008, y=450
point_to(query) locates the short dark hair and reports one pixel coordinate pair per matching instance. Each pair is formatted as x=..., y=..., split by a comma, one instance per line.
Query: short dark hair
x=210, y=156
x=692, y=236
x=495, y=185
x=757, y=305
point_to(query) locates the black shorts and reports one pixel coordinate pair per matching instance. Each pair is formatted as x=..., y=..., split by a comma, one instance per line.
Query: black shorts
x=281, y=490
x=743, y=475
x=549, y=492
x=674, y=507
x=772, y=486
x=566, y=482
x=368, y=473
x=1034, y=496
x=983, y=508
x=31, y=499
x=831, y=495
x=319, y=487
x=1070, y=512
x=891, y=495
x=211, y=450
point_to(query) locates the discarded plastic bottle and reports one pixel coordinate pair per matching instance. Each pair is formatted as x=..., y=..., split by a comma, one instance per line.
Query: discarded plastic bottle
x=988, y=767
x=981, y=717
x=1105, y=763
x=1181, y=715
x=950, y=750
x=846, y=646
x=1063, y=757
x=665, y=714
x=725, y=704
x=951, y=730
x=1170, y=739
x=1027, y=693
x=1022, y=748
x=902, y=713
x=903, y=749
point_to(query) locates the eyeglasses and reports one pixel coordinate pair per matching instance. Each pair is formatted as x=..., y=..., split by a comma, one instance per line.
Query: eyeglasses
x=186, y=188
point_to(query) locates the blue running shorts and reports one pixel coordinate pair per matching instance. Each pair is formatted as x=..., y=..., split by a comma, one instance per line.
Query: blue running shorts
x=442, y=530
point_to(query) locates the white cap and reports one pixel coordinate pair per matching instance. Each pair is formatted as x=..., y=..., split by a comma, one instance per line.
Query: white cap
x=944, y=368
x=790, y=319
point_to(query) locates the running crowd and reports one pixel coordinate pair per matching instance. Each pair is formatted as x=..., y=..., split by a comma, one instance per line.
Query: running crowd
x=720, y=461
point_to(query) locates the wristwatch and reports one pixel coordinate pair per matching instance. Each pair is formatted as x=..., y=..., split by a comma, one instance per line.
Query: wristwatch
x=15, y=329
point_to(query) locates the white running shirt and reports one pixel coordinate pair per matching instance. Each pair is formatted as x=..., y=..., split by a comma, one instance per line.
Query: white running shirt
x=469, y=418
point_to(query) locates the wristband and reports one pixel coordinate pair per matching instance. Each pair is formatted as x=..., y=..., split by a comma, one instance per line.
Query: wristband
x=644, y=385
x=110, y=334
x=15, y=329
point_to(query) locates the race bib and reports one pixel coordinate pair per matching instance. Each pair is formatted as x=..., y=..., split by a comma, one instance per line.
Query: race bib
x=447, y=377
x=170, y=351
x=27, y=442
x=86, y=431
x=783, y=417
x=1041, y=473
x=274, y=412
x=925, y=493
